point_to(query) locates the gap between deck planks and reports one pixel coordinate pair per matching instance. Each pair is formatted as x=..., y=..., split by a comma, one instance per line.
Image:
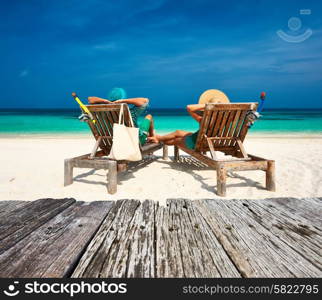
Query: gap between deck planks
x=19, y=222
x=205, y=238
x=55, y=247
x=255, y=245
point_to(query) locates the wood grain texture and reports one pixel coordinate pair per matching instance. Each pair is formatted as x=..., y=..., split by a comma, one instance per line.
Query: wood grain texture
x=6, y=206
x=254, y=249
x=279, y=237
x=102, y=257
x=308, y=208
x=54, y=248
x=299, y=233
x=20, y=222
x=186, y=246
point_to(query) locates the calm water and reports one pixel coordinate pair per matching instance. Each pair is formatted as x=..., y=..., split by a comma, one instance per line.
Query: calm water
x=65, y=121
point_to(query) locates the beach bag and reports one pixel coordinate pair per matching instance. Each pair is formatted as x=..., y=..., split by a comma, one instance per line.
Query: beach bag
x=125, y=141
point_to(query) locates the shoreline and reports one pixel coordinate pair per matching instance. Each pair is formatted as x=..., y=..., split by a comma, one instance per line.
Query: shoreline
x=86, y=135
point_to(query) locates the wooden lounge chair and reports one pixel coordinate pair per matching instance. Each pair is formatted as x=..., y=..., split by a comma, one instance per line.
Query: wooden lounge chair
x=224, y=128
x=104, y=117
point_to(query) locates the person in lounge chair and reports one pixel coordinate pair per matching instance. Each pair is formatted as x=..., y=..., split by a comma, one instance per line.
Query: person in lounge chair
x=137, y=108
x=182, y=137
x=186, y=138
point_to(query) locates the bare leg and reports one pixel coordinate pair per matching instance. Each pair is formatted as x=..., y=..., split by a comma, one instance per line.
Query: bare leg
x=151, y=129
x=151, y=134
x=169, y=142
x=171, y=137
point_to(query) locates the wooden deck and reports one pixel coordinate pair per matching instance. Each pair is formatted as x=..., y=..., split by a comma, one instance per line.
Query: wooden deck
x=205, y=238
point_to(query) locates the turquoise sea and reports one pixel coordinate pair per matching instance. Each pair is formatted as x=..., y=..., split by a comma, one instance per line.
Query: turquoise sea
x=65, y=121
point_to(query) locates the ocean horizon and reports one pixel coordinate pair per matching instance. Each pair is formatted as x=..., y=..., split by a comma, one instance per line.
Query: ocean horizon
x=65, y=121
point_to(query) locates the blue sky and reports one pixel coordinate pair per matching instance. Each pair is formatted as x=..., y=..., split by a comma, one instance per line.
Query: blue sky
x=168, y=51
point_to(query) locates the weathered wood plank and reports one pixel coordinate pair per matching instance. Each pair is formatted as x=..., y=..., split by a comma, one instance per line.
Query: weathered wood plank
x=6, y=206
x=185, y=245
x=291, y=228
x=255, y=250
x=179, y=243
x=53, y=249
x=20, y=222
x=141, y=255
x=131, y=254
x=309, y=208
x=100, y=258
x=166, y=264
x=206, y=238
x=215, y=260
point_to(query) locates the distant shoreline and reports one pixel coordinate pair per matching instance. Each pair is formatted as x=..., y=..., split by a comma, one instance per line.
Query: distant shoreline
x=76, y=109
x=86, y=135
x=61, y=123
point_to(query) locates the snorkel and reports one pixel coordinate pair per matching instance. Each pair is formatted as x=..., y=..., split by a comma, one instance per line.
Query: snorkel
x=86, y=114
x=115, y=94
x=261, y=104
x=254, y=115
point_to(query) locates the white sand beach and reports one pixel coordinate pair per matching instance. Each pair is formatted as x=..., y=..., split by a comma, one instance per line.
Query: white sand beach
x=32, y=167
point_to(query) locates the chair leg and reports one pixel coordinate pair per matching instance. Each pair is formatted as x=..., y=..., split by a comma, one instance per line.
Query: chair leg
x=221, y=180
x=68, y=172
x=270, y=176
x=121, y=167
x=112, y=177
x=176, y=153
x=165, y=155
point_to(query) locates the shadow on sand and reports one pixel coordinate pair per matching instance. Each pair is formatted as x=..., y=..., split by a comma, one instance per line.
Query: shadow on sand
x=186, y=164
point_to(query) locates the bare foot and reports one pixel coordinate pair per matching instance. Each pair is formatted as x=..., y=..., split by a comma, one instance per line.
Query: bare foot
x=153, y=139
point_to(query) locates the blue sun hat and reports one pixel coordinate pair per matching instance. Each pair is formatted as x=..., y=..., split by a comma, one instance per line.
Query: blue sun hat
x=116, y=94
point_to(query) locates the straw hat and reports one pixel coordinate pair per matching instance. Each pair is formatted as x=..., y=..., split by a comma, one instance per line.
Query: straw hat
x=213, y=96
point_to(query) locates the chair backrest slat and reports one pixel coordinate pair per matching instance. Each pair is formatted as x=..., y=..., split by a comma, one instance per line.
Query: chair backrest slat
x=233, y=128
x=224, y=121
x=222, y=127
x=228, y=127
x=204, y=125
x=212, y=122
x=107, y=122
x=103, y=144
x=105, y=128
x=243, y=131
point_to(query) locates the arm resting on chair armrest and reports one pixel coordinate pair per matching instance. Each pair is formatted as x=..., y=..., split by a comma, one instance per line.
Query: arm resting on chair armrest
x=193, y=109
x=134, y=101
x=95, y=100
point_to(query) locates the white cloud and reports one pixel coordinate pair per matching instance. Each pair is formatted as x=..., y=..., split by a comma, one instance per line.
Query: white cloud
x=107, y=46
x=24, y=73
